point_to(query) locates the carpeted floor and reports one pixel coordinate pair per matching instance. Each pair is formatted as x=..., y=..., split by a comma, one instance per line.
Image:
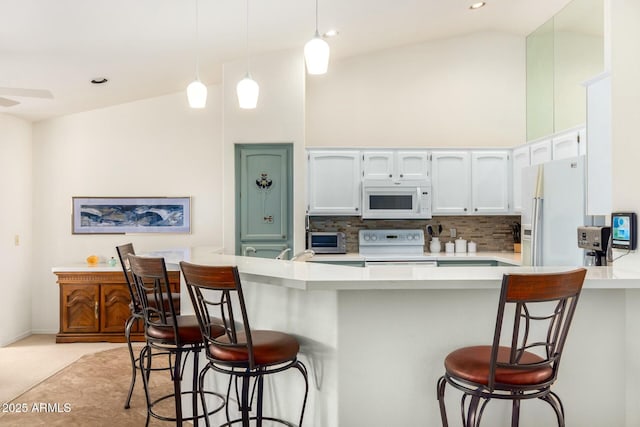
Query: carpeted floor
x=89, y=392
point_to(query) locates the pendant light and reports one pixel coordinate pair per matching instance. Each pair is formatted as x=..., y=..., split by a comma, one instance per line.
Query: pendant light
x=316, y=52
x=197, y=91
x=247, y=88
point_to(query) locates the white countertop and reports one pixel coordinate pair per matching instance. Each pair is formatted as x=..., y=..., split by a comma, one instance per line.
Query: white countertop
x=317, y=276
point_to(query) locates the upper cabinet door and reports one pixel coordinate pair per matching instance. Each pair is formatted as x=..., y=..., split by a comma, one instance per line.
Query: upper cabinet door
x=378, y=164
x=521, y=160
x=490, y=182
x=540, y=152
x=334, y=183
x=567, y=145
x=451, y=182
x=412, y=165
x=396, y=165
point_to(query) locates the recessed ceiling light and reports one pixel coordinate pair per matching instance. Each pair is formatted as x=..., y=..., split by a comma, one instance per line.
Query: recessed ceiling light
x=477, y=5
x=330, y=33
x=99, y=80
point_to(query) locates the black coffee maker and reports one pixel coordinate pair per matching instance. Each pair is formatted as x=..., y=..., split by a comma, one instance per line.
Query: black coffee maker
x=596, y=241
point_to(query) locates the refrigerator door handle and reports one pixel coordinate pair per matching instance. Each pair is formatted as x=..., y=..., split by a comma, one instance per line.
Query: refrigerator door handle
x=536, y=225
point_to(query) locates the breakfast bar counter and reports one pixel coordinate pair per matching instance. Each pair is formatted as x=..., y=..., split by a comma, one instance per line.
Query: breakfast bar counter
x=374, y=339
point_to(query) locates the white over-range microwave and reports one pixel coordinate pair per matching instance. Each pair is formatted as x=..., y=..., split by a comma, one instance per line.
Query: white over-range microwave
x=383, y=199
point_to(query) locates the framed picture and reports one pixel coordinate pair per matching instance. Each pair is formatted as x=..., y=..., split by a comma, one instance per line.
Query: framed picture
x=120, y=215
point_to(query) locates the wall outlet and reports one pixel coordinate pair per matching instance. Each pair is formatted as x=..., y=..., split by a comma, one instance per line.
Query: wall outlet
x=16, y=240
x=453, y=232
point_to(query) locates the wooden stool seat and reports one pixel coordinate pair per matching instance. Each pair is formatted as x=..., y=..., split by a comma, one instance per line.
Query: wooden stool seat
x=188, y=330
x=269, y=347
x=474, y=363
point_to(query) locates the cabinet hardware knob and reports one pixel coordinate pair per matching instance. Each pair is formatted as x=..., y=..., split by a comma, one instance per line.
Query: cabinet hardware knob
x=476, y=209
x=390, y=175
x=95, y=309
x=465, y=209
x=401, y=175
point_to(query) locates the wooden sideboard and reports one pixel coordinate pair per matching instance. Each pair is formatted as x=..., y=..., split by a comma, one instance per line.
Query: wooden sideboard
x=94, y=306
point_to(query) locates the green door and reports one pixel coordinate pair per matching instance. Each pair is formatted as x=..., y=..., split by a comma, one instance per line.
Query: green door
x=263, y=199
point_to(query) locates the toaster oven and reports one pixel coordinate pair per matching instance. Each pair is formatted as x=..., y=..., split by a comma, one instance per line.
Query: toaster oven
x=327, y=242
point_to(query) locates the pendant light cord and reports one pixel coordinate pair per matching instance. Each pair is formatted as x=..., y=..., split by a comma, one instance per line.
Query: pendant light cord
x=197, y=44
x=317, y=17
x=247, y=37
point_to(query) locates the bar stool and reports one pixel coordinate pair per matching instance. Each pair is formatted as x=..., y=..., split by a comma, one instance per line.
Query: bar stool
x=136, y=314
x=527, y=367
x=167, y=331
x=241, y=353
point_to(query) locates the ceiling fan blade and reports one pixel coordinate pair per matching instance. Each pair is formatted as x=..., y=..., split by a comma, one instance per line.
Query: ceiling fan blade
x=31, y=93
x=6, y=102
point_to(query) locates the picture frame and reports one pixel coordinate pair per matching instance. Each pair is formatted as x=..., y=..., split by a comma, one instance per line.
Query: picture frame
x=122, y=215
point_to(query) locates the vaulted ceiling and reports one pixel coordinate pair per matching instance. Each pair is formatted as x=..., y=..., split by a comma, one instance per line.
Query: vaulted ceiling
x=147, y=48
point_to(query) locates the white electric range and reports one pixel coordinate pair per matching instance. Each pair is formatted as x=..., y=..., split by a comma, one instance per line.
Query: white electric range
x=397, y=247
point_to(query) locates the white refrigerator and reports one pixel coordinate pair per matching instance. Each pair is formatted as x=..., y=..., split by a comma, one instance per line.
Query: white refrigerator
x=553, y=207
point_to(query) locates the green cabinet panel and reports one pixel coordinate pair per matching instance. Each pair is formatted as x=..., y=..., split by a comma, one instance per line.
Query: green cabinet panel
x=263, y=199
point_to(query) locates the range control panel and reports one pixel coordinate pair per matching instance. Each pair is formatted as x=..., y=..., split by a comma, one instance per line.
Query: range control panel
x=391, y=237
x=391, y=241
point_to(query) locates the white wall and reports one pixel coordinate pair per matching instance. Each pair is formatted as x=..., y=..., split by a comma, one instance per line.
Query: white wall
x=464, y=91
x=15, y=220
x=625, y=105
x=154, y=147
x=278, y=118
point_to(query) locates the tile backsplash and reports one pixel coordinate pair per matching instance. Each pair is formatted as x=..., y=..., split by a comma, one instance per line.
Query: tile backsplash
x=491, y=233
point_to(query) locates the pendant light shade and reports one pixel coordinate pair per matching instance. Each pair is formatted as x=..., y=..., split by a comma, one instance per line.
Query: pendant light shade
x=197, y=94
x=197, y=91
x=248, y=91
x=316, y=55
x=316, y=52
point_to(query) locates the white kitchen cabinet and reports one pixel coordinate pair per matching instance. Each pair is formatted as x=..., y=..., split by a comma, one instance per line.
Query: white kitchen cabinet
x=334, y=182
x=540, y=152
x=520, y=159
x=378, y=164
x=397, y=165
x=470, y=182
x=413, y=164
x=568, y=144
x=490, y=182
x=451, y=182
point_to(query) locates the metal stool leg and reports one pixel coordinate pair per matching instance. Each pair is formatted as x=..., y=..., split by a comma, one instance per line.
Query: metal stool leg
x=442, y=382
x=194, y=388
x=177, y=389
x=144, y=372
x=127, y=334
